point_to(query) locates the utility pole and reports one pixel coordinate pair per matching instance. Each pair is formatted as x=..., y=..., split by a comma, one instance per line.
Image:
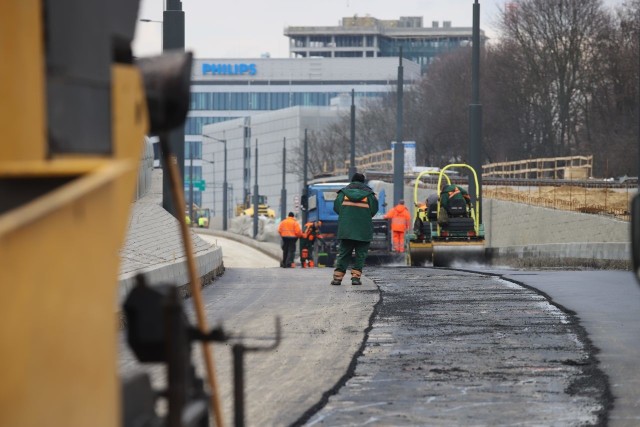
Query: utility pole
x=352, y=164
x=283, y=192
x=255, y=198
x=475, y=112
x=225, y=197
x=246, y=153
x=398, y=149
x=304, y=174
x=191, y=182
x=173, y=39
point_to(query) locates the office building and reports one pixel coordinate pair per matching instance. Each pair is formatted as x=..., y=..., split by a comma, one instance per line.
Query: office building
x=368, y=37
x=239, y=90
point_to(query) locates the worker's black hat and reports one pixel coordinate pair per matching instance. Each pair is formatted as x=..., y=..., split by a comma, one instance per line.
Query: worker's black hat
x=291, y=214
x=357, y=177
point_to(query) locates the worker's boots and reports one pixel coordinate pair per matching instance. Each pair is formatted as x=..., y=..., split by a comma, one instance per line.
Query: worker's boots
x=337, y=277
x=311, y=264
x=355, y=277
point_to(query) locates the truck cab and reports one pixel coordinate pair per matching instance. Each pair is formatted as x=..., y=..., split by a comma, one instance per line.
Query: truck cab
x=319, y=204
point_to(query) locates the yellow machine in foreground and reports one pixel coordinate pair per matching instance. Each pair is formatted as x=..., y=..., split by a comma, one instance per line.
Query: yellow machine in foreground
x=73, y=115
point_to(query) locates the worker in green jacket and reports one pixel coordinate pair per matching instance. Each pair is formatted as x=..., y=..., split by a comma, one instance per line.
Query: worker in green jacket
x=451, y=192
x=356, y=204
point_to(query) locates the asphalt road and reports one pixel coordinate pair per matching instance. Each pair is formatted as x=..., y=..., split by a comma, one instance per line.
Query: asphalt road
x=427, y=346
x=607, y=305
x=449, y=348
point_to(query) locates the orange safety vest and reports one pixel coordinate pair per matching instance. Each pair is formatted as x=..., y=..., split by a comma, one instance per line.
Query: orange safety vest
x=308, y=232
x=289, y=227
x=400, y=219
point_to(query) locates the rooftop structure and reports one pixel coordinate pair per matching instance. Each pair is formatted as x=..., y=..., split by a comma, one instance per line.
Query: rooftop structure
x=370, y=37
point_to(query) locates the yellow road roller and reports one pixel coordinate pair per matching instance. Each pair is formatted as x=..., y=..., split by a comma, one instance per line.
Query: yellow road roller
x=419, y=242
x=457, y=234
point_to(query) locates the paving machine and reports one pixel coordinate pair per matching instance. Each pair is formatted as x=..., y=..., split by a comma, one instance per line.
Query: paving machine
x=457, y=234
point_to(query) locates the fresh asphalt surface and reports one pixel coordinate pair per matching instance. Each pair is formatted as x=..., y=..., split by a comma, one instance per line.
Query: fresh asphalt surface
x=329, y=332
x=607, y=305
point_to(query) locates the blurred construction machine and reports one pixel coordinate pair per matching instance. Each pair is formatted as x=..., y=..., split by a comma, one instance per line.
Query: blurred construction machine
x=246, y=208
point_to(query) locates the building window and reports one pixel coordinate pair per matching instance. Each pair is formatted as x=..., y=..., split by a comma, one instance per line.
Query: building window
x=348, y=54
x=319, y=41
x=197, y=149
x=349, y=41
x=193, y=125
x=197, y=172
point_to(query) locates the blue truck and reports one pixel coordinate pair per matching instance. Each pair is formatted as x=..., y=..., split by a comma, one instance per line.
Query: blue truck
x=319, y=205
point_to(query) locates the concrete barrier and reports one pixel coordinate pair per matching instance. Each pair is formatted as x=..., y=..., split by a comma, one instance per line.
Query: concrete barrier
x=154, y=247
x=531, y=236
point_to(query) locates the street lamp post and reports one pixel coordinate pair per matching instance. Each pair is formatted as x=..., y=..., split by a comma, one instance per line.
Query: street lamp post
x=212, y=162
x=224, y=184
x=191, y=182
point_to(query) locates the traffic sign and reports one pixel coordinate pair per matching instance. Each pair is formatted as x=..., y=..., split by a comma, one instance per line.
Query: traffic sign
x=197, y=185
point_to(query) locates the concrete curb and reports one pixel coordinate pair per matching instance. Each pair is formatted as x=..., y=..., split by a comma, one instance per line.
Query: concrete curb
x=271, y=249
x=603, y=255
x=209, y=264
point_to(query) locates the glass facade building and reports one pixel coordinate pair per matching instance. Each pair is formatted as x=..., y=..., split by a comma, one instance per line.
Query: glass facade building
x=368, y=37
x=229, y=89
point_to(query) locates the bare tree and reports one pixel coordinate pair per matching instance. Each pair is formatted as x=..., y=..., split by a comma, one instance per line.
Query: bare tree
x=555, y=41
x=611, y=108
x=445, y=92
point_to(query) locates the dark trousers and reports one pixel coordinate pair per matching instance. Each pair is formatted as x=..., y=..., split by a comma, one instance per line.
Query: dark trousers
x=347, y=246
x=308, y=245
x=288, y=250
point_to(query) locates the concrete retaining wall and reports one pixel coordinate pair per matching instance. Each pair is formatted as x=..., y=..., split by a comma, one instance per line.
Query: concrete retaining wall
x=154, y=247
x=534, y=236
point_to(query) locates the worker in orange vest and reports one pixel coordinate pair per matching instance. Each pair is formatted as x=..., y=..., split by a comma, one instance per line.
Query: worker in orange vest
x=309, y=235
x=290, y=231
x=400, y=222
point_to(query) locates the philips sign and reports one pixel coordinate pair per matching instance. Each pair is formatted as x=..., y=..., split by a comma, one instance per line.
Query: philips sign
x=228, y=69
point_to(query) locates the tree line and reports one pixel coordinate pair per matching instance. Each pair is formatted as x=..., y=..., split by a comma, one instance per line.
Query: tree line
x=560, y=80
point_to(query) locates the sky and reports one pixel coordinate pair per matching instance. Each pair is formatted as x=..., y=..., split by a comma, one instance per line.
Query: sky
x=251, y=28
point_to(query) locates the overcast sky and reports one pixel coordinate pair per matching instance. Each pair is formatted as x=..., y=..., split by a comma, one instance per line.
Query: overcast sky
x=250, y=28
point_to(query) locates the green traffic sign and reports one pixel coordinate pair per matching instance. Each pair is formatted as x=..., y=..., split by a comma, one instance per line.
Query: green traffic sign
x=197, y=185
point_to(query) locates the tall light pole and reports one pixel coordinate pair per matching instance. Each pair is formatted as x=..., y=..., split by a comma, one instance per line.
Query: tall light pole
x=255, y=198
x=475, y=112
x=224, y=184
x=398, y=150
x=305, y=169
x=191, y=183
x=212, y=162
x=283, y=192
x=352, y=163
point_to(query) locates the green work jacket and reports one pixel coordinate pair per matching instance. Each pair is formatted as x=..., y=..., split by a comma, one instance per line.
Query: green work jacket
x=453, y=191
x=355, y=205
